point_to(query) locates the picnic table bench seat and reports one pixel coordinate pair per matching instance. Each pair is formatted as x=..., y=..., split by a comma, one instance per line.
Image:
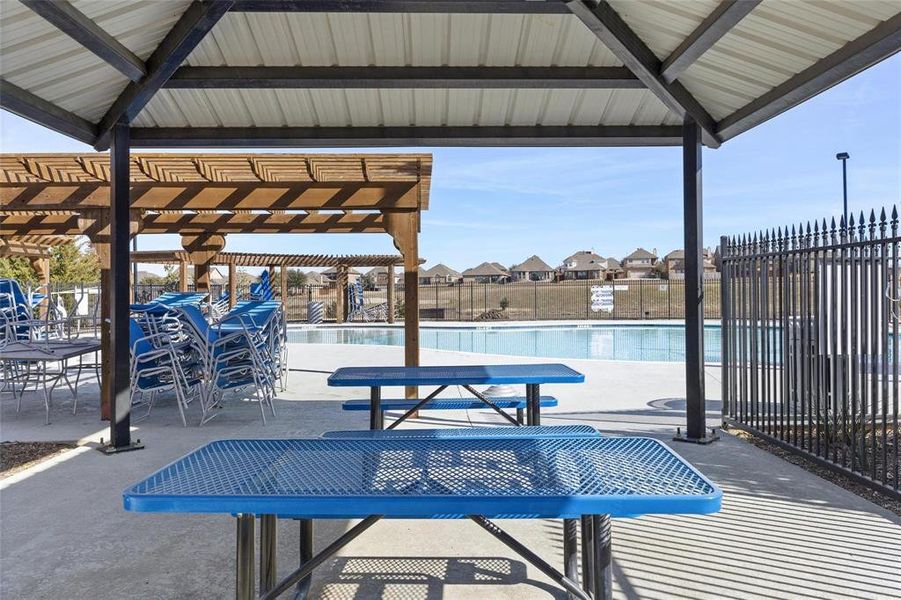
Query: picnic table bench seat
x=446, y=403
x=535, y=432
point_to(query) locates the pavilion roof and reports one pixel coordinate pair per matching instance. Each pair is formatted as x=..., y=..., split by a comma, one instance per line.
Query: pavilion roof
x=356, y=73
x=258, y=259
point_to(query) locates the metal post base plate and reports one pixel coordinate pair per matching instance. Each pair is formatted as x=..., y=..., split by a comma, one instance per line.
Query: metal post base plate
x=110, y=449
x=708, y=438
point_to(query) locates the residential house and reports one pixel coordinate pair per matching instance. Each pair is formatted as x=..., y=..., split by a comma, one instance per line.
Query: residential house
x=584, y=264
x=675, y=264
x=486, y=273
x=379, y=276
x=316, y=278
x=532, y=269
x=614, y=269
x=331, y=275
x=640, y=264
x=440, y=274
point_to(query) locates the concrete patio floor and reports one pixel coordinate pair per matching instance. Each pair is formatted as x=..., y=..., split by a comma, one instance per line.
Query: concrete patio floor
x=782, y=533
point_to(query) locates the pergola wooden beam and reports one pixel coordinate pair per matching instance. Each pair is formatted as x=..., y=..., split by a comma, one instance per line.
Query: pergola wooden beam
x=86, y=32
x=709, y=32
x=310, y=195
x=258, y=259
x=373, y=137
x=199, y=223
x=14, y=247
x=403, y=78
x=606, y=24
x=191, y=28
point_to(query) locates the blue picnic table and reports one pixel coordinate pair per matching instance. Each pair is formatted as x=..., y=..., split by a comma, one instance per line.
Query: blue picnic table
x=465, y=376
x=583, y=480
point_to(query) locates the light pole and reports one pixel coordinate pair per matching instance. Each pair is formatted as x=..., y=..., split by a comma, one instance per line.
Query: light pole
x=844, y=156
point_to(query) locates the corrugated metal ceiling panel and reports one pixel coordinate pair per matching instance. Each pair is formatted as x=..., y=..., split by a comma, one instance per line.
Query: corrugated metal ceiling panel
x=391, y=39
x=776, y=41
x=663, y=25
x=35, y=56
x=402, y=107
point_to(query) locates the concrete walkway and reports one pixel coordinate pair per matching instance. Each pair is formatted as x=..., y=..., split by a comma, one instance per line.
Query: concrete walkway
x=783, y=533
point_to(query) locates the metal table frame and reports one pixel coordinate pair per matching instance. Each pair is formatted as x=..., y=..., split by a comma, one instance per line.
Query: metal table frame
x=39, y=354
x=532, y=375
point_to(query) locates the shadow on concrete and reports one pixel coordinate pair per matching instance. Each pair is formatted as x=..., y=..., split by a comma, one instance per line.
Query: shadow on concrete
x=423, y=578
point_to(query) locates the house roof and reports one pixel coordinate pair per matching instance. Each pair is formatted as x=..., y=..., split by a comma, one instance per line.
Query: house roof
x=334, y=271
x=440, y=270
x=675, y=254
x=486, y=269
x=500, y=267
x=354, y=73
x=613, y=264
x=533, y=264
x=639, y=254
x=584, y=260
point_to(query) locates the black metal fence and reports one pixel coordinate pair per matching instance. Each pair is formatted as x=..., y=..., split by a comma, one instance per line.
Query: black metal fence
x=810, y=342
x=627, y=299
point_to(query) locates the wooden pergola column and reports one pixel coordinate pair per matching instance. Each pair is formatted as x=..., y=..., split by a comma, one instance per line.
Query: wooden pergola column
x=404, y=229
x=341, y=295
x=232, y=284
x=182, y=276
x=41, y=268
x=202, y=250
x=391, y=300
x=95, y=224
x=283, y=281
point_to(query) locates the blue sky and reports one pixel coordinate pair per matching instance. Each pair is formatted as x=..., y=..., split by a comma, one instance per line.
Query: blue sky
x=504, y=205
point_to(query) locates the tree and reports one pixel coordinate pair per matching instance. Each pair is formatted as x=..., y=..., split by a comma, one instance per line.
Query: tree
x=296, y=278
x=18, y=268
x=70, y=263
x=368, y=282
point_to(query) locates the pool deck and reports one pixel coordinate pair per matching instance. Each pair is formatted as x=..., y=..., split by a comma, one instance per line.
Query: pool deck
x=518, y=324
x=782, y=533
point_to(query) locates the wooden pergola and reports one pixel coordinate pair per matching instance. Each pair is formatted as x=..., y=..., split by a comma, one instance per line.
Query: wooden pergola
x=283, y=262
x=204, y=198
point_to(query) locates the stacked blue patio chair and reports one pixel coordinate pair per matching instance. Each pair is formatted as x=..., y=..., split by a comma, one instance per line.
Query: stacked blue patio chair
x=262, y=290
x=358, y=306
x=162, y=360
x=236, y=360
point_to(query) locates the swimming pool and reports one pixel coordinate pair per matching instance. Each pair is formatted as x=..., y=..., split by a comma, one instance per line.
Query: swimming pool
x=603, y=342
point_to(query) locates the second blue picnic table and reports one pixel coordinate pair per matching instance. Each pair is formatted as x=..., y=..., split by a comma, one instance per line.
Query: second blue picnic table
x=465, y=376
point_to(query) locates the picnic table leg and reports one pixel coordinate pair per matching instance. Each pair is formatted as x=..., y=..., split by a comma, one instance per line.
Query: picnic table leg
x=306, y=553
x=520, y=418
x=571, y=549
x=533, y=397
x=603, y=564
x=587, y=554
x=268, y=560
x=376, y=418
x=244, y=580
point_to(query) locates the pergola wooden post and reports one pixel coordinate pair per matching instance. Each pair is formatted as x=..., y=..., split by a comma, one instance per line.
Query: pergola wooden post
x=41, y=268
x=404, y=228
x=391, y=294
x=283, y=283
x=202, y=251
x=341, y=294
x=183, y=276
x=232, y=284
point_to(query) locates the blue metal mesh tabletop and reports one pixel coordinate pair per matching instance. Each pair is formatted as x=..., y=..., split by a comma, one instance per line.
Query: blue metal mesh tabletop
x=540, y=431
x=455, y=375
x=449, y=478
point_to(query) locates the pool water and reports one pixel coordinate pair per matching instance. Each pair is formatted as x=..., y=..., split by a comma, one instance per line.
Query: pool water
x=664, y=343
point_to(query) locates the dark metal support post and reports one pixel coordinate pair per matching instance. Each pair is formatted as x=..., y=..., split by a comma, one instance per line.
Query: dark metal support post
x=376, y=417
x=533, y=397
x=694, y=286
x=268, y=560
x=602, y=557
x=306, y=553
x=587, y=553
x=119, y=357
x=571, y=549
x=244, y=584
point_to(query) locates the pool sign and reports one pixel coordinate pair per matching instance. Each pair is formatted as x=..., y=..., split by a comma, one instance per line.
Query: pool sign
x=602, y=298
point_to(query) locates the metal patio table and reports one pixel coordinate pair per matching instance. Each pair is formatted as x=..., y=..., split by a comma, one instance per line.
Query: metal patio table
x=43, y=352
x=584, y=481
x=466, y=376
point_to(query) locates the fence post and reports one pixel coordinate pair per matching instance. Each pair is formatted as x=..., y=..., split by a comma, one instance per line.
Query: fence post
x=725, y=317
x=535, y=301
